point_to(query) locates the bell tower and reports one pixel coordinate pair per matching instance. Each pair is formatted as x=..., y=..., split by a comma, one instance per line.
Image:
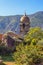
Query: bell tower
x=24, y=25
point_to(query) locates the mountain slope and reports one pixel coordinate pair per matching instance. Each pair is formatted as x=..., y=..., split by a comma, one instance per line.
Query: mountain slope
x=37, y=19
x=11, y=23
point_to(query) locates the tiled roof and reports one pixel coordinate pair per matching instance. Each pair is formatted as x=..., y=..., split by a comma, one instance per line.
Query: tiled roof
x=12, y=35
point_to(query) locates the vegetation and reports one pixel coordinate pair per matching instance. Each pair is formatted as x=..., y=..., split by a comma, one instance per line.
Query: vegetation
x=34, y=35
x=30, y=51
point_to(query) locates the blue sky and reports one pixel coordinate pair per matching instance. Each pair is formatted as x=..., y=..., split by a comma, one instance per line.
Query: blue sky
x=15, y=7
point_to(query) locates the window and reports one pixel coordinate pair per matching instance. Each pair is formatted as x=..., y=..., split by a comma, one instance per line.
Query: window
x=23, y=25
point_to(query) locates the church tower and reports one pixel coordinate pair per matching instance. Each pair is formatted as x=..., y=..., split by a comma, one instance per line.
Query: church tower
x=24, y=25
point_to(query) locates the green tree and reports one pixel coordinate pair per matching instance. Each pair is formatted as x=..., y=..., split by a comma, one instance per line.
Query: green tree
x=34, y=35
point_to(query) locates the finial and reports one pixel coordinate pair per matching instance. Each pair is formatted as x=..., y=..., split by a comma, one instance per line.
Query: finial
x=25, y=13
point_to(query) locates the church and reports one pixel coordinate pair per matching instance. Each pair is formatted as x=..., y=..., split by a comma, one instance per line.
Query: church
x=10, y=37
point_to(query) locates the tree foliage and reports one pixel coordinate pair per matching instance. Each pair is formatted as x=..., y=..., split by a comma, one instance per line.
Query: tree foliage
x=34, y=35
x=32, y=52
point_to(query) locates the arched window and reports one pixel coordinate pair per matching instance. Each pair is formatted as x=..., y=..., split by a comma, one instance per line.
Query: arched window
x=23, y=25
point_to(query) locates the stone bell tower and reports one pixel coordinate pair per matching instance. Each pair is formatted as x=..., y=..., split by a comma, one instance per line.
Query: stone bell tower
x=24, y=25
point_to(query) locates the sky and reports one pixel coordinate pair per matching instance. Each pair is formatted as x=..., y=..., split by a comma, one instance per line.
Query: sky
x=17, y=7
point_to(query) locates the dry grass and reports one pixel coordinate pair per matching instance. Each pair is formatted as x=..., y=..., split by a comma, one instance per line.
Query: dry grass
x=10, y=63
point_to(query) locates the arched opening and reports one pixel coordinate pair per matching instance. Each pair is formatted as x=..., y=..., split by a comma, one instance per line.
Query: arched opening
x=23, y=25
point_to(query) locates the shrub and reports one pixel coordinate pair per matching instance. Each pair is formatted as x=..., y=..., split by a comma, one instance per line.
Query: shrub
x=36, y=59
x=34, y=41
x=34, y=35
x=40, y=42
x=2, y=63
x=27, y=54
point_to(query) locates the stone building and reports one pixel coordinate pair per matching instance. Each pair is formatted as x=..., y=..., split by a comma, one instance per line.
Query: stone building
x=11, y=40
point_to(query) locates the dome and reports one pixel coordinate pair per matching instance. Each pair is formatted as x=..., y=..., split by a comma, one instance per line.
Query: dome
x=25, y=18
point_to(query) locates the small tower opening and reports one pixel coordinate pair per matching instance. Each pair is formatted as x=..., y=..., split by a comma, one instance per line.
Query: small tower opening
x=23, y=25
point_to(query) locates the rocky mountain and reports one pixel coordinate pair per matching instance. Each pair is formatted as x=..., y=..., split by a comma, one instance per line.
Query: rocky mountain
x=37, y=19
x=11, y=23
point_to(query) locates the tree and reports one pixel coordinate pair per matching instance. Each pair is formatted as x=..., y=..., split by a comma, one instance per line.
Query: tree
x=34, y=35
